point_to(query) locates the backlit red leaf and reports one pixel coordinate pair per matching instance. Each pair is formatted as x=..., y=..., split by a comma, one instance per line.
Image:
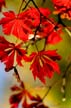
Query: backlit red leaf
x=8, y=51
x=44, y=65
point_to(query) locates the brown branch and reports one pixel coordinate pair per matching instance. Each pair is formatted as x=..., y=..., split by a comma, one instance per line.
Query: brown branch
x=21, y=6
x=27, y=4
x=64, y=83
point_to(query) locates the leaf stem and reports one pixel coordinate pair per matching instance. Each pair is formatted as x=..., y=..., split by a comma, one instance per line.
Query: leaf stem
x=49, y=89
x=68, y=31
x=46, y=93
x=17, y=74
x=20, y=6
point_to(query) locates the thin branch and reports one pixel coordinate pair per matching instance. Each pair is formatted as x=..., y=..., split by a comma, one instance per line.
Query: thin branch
x=40, y=12
x=21, y=6
x=56, y=82
x=47, y=93
x=67, y=68
x=17, y=74
x=27, y=4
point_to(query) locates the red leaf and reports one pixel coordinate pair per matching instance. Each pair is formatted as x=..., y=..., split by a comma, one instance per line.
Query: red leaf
x=20, y=54
x=23, y=24
x=47, y=30
x=36, y=102
x=16, y=98
x=52, y=54
x=7, y=53
x=14, y=105
x=14, y=24
x=21, y=97
x=44, y=65
x=63, y=7
x=54, y=38
x=9, y=61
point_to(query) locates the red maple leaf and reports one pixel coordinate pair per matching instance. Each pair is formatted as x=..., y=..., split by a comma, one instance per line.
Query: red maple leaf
x=23, y=24
x=2, y=3
x=63, y=7
x=48, y=31
x=15, y=24
x=8, y=51
x=32, y=16
x=36, y=102
x=44, y=64
x=22, y=96
x=16, y=98
x=46, y=27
